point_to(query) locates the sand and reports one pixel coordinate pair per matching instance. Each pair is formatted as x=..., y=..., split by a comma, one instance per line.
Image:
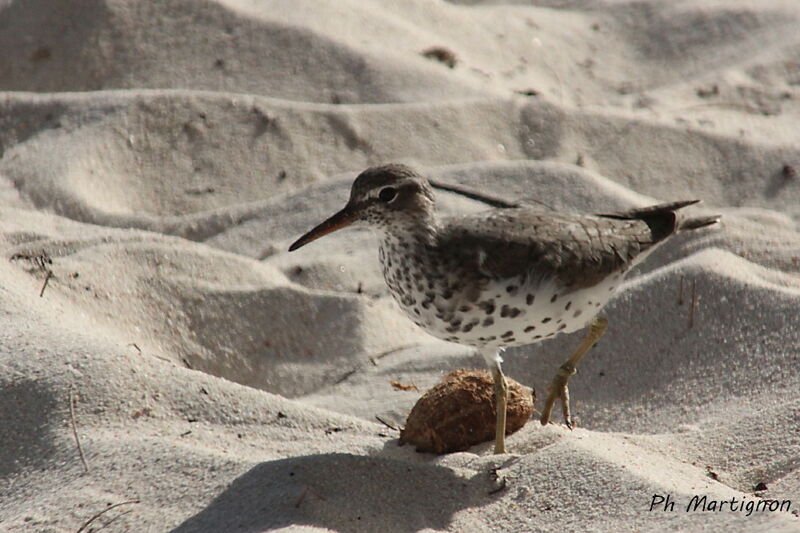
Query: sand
x=157, y=158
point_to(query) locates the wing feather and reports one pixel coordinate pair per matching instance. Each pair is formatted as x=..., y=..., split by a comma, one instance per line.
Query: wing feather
x=578, y=250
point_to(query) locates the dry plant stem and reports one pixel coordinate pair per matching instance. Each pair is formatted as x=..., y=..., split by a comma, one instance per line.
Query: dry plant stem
x=120, y=515
x=386, y=353
x=558, y=388
x=301, y=498
x=75, y=430
x=680, y=291
x=46, y=280
x=104, y=511
x=693, y=304
x=385, y=423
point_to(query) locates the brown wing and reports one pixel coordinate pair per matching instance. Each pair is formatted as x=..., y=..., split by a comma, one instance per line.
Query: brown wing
x=579, y=250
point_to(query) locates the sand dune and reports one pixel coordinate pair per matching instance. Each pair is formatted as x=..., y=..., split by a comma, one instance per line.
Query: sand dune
x=156, y=159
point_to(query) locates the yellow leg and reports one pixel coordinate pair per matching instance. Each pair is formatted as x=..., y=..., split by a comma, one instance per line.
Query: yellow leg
x=501, y=403
x=558, y=388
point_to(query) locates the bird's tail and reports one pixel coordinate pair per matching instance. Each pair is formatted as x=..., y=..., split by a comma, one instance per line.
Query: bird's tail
x=698, y=222
x=663, y=219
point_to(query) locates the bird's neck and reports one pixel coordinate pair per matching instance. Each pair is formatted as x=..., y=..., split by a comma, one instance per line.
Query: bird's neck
x=412, y=231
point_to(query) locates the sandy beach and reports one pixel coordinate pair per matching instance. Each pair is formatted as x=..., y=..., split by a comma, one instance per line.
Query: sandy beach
x=167, y=366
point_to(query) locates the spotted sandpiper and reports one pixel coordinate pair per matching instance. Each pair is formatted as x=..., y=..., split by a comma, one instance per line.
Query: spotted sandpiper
x=503, y=277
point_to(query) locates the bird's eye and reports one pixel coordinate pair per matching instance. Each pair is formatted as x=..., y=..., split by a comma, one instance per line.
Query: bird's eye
x=387, y=194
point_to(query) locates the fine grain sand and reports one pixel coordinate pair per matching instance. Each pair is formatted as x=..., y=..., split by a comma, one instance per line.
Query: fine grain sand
x=157, y=158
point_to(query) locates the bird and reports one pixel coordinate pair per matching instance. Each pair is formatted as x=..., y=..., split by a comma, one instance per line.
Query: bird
x=505, y=276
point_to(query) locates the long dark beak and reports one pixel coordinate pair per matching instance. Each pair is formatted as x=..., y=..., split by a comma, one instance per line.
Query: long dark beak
x=342, y=219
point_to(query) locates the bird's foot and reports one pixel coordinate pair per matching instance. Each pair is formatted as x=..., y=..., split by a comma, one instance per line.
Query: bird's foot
x=559, y=391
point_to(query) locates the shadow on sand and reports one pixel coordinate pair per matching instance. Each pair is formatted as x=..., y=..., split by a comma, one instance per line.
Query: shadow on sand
x=346, y=493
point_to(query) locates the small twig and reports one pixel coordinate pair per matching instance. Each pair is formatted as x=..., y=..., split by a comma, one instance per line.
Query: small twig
x=396, y=385
x=375, y=358
x=387, y=424
x=693, y=304
x=346, y=376
x=730, y=105
x=104, y=511
x=136, y=346
x=680, y=290
x=75, y=430
x=120, y=515
x=46, y=280
x=303, y=496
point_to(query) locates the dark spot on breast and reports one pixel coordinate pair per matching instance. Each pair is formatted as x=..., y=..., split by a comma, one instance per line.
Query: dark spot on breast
x=529, y=299
x=550, y=334
x=512, y=289
x=447, y=294
x=554, y=298
x=559, y=321
x=514, y=312
x=597, y=304
x=569, y=304
x=491, y=338
x=545, y=320
x=467, y=328
x=488, y=322
x=416, y=310
x=507, y=334
x=562, y=326
x=505, y=311
x=465, y=308
x=537, y=336
x=426, y=304
x=577, y=313
x=529, y=329
x=488, y=306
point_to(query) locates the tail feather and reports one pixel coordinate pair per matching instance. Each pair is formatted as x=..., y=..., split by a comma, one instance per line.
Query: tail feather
x=663, y=220
x=698, y=222
x=644, y=212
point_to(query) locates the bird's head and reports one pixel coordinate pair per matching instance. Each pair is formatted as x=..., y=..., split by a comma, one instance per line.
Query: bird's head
x=382, y=197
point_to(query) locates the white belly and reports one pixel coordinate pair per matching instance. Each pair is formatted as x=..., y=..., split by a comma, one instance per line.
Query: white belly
x=499, y=319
